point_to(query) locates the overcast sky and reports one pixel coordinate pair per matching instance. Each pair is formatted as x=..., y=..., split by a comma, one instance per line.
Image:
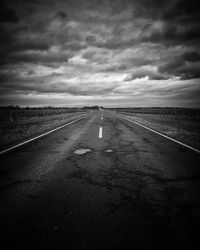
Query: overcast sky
x=100, y=52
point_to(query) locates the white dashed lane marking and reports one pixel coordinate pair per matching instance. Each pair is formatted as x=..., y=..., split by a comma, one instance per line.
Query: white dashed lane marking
x=100, y=132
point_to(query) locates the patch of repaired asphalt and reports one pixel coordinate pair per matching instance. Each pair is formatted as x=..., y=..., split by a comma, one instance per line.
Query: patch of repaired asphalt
x=82, y=151
x=109, y=151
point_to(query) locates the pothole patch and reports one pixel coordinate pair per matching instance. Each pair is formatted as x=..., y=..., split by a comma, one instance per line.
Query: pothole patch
x=109, y=151
x=82, y=151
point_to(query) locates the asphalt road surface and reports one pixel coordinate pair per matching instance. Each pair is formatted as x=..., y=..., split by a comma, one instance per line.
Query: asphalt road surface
x=100, y=183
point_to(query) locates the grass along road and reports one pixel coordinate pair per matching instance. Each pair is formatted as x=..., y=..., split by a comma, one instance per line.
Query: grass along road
x=14, y=133
x=186, y=131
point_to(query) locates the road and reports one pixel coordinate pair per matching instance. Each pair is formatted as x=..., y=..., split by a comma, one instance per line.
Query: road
x=123, y=187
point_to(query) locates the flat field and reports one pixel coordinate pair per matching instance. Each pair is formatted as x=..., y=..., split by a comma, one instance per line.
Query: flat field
x=16, y=125
x=181, y=124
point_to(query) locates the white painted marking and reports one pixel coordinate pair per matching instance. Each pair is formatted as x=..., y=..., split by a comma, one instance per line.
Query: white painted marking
x=101, y=118
x=39, y=136
x=165, y=136
x=100, y=132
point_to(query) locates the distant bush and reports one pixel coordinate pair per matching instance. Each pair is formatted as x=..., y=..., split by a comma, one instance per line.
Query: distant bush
x=15, y=113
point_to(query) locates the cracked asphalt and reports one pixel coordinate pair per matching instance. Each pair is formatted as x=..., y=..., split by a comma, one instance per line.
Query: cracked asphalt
x=131, y=189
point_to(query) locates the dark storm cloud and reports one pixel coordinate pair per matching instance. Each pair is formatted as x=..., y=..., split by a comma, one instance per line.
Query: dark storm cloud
x=61, y=15
x=36, y=58
x=90, y=39
x=176, y=10
x=183, y=11
x=181, y=69
x=8, y=16
x=114, y=43
x=24, y=46
x=185, y=66
x=40, y=58
x=180, y=21
x=192, y=56
x=170, y=34
x=74, y=46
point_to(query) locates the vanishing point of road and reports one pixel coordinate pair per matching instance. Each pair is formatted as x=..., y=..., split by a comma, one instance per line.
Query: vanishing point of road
x=100, y=183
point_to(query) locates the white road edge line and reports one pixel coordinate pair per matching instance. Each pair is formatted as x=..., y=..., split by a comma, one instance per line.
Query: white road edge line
x=165, y=136
x=100, y=132
x=39, y=136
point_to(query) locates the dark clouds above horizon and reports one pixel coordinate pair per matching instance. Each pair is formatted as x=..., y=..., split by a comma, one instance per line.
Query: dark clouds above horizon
x=114, y=53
